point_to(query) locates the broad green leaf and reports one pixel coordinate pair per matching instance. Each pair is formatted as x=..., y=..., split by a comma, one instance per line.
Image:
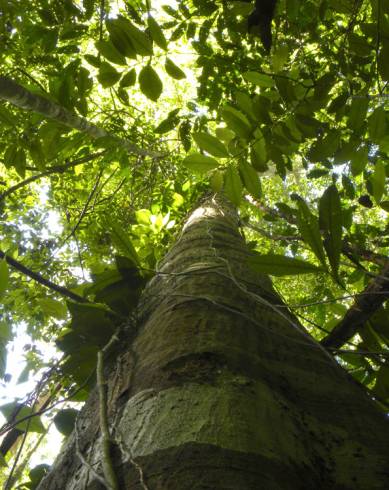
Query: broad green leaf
x=65, y=419
x=330, y=221
x=173, y=70
x=37, y=473
x=357, y=112
x=245, y=103
x=308, y=225
x=378, y=181
x=211, y=145
x=14, y=412
x=325, y=147
x=359, y=160
x=259, y=79
x=4, y=274
x=156, y=33
x=108, y=50
x=196, y=162
x=143, y=216
x=280, y=265
x=233, y=185
x=236, y=121
x=250, y=179
x=169, y=123
x=52, y=307
x=140, y=41
x=108, y=75
x=122, y=241
x=119, y=37
x=217, y=180
x=258, y=152
x=381, y=387
x=150, y=83
x=225, y=134
x=377, y=124
x=128, y=79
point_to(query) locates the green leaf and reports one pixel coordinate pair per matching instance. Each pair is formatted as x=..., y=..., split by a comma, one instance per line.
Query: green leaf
x=65, y=419
x=225, y=134
x=4, y=276
x=359, y=160
x=280, y=265
x=150, y=83
x=308, y=225
x=108, y=75
x=119, y=37
x=196, y=162
x=122, y=241
x=259, y=79
x=217, y=180
x=142, y=44
x=211, y=145
x=258, y=153
x=236, y=121
x=53, y=308
x=357, y=112
x=233, y=185
x=108, y=50
x=250, y=179
x=128, y=79
x=377, y=124
x=330, y=221
x=378, y=181
x=173, y=70
x=169, y=123
x=14, y=412
x=156, y=33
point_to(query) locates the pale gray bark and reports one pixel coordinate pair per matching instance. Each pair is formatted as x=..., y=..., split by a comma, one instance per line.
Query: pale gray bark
x=19, y=96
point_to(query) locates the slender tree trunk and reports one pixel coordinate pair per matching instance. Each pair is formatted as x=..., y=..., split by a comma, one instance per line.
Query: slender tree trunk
x=223, y=389
x=19, y=96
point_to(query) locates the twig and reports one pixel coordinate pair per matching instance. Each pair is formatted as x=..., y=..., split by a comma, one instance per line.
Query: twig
x=49, y=171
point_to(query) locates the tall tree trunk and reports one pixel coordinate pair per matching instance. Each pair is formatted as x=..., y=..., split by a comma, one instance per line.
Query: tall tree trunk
x=223, y=389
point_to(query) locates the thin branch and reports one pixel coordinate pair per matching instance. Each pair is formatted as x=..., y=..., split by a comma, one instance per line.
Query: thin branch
x=84, y=209
x=42, y=280
x=49, y=171
x=365, y=305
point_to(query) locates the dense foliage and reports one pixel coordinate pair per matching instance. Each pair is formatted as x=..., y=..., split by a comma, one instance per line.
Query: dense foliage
x=181, y=98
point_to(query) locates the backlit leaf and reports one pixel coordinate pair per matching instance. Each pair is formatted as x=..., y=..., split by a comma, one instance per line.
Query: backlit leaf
x=211, y=145
x=280, y=265
x=173, y=70
x=233, y=185
x=150, y=83
x=200, y=163
x=330, y=221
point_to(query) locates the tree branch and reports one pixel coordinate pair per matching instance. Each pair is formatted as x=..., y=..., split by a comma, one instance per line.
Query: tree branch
x=21, y=97
x=49, y=171
x=365, y=305
x=39, y=278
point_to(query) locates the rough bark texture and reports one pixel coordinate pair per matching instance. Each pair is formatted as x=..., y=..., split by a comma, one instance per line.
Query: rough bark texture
x=221, y=389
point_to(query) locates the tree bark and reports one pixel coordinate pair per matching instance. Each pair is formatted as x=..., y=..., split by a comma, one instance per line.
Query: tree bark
x=223, y=389
x=19, y=96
